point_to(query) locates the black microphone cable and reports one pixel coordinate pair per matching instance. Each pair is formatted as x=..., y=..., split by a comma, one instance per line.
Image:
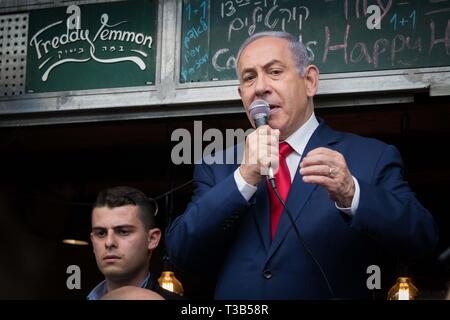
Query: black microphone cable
x=300, y=238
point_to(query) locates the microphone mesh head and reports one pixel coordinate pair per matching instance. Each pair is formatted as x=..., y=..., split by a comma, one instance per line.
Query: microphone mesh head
x=259, y=107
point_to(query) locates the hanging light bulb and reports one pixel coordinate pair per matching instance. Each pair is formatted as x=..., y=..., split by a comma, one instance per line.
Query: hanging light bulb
x=404, y=289
x=167, y=280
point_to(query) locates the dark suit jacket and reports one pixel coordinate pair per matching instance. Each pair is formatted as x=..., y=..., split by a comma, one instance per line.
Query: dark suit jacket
x=220, y=229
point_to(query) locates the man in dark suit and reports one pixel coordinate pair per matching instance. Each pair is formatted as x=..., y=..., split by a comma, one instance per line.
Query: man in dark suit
x=124, y=236
x=346, y=194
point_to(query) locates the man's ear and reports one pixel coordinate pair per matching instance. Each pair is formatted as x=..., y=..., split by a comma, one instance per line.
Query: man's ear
x=311, y=80
x=239, y=91
x=153, y=237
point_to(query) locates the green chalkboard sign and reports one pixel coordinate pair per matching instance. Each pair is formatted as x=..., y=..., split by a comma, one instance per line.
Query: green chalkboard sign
x=105, y=45
x=340, y=35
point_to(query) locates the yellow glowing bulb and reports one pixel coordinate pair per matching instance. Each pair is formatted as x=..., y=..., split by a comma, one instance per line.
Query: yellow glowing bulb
x=404, y=289
x=168, y=281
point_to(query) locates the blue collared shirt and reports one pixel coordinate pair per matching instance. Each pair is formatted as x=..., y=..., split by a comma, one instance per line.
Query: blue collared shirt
x=100, y=290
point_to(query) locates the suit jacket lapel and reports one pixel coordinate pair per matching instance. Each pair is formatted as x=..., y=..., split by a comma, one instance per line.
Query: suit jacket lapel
x=300, y=191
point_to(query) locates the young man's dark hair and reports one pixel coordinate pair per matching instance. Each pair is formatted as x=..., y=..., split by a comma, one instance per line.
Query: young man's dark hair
x=123, y=195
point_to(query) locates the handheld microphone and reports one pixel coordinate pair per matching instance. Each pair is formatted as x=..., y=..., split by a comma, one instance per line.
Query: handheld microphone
x=259, y=111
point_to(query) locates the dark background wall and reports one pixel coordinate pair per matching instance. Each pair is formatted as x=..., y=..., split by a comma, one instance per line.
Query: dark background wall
x=48, y=174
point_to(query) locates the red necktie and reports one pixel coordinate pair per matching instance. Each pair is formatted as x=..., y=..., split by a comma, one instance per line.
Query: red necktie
x=283, y=183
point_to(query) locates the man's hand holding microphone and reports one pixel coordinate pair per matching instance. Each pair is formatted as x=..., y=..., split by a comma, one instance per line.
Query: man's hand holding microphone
x=261, y=146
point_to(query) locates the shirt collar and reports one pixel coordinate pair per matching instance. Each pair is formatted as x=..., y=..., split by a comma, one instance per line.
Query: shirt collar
x=100, y=290
x=299, y=139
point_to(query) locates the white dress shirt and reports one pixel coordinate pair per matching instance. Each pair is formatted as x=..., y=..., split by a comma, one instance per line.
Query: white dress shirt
x=297, y=141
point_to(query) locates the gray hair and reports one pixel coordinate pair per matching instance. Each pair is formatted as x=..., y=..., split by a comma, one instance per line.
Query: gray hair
x=298, y=49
